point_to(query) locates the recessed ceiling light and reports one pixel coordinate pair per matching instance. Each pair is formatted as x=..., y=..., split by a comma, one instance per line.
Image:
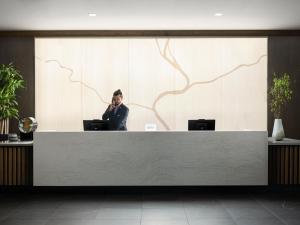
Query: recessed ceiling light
x=219, y=14
x=92, y=14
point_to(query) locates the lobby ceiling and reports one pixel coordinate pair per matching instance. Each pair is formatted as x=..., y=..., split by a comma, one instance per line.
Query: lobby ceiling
x=149, y=14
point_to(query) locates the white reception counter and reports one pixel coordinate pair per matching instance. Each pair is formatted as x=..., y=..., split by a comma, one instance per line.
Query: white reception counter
x=150, y=158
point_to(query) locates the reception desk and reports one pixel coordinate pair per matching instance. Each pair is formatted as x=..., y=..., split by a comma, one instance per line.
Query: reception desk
x=150, y=158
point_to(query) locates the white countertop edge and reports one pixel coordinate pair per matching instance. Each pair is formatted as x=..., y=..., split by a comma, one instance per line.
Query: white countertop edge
x=16, y=143
x=159, y=131
x=285, y=141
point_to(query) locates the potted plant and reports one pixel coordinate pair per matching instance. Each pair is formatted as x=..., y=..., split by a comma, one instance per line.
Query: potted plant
x=10, y=81
x=280, y=93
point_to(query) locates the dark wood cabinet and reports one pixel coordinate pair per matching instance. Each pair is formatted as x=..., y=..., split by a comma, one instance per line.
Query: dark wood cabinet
x=284, y=162
x=16, y=164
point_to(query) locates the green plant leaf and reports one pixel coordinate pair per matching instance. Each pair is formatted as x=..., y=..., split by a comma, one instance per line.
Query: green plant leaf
x=10, y=81
x=280, y=93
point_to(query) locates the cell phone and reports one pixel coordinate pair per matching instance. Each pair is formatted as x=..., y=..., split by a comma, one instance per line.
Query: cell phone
x=113, y=101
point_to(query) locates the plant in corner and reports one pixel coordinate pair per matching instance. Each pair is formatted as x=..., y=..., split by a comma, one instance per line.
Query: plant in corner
x=10, y=81
x=280, y=94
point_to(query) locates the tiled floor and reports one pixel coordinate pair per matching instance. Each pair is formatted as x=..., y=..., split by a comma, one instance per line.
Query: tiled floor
x=196, y=208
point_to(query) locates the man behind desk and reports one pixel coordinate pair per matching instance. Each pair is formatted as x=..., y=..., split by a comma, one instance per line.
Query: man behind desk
x=116, y=112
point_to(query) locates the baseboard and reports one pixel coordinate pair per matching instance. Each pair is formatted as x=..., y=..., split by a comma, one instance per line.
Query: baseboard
x=148, y=189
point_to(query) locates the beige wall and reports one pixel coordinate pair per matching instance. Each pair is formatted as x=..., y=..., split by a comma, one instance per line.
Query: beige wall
x=164, y=81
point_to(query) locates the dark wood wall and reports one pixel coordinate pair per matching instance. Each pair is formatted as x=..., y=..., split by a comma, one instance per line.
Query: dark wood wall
x=284, y=56
x=20, y=51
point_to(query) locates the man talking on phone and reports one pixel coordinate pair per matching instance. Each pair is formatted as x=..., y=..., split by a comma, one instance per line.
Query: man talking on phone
x=117, y=112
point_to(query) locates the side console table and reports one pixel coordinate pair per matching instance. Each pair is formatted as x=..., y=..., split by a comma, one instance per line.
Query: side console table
x=284, y=162
x=16, y=163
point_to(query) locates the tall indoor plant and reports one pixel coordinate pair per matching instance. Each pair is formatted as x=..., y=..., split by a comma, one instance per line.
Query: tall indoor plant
x=280, y=93
x=10, y=81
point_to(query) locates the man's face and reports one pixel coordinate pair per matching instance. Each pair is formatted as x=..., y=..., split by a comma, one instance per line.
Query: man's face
x=117, y=99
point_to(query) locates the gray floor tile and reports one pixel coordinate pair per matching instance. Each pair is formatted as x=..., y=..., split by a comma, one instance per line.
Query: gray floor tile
x=38, y=205
x=67, y=222
x=22, y=222
x=285, y=211
x=287, y=214
x=116, y=213
x=212, y=222
x=165, y=222
x=200, y=202
x=163, y=214
x=162, y=197
x=4, y=204
x=5, y=212
x=162, y=201
x=192, y=205
x=198, y=197
x=80, y=205
x=125, y=204
x=235, y=197
x=159, y=209
x=249, y=213
x=74, y=214
x=292, y=221
x=92, y=222
x=121, y=201
x=117, y=222
x=254, y=221
x=280, y=203
x=207, y=212
x=123, y=198
x=241, y=203
x=29, y=214
x=277, y=196
x=156, y=204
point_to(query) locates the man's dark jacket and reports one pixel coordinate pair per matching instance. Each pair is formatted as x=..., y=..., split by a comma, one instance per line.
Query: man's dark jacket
x=117, y=120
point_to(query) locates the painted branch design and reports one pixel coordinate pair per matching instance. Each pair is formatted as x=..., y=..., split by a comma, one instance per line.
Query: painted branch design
x=173, y=62
x=71, y=72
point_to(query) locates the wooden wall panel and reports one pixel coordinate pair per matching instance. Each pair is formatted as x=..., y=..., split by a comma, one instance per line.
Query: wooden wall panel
x=20, y=51
x=283, y=56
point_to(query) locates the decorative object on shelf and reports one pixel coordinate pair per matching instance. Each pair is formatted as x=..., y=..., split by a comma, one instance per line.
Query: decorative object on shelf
x=278, y=131
x=27, y=126
x=280, y=94
x=10, y=81
x=13, y=137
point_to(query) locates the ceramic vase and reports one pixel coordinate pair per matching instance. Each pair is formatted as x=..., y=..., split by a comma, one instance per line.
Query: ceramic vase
x=278, y=132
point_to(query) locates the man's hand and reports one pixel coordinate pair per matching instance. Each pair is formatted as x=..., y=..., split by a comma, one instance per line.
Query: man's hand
x=111, y=107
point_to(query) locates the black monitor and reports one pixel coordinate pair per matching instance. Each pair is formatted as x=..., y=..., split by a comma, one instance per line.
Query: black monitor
x=201, y=124
x=95, y=125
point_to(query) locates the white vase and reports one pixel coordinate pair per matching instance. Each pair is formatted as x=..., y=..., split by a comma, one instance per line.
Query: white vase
x=278, y=132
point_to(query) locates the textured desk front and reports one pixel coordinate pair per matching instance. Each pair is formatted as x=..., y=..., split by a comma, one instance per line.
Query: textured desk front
x=150, y=158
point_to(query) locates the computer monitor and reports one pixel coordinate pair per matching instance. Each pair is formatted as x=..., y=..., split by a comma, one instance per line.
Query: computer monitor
x=95, y=125
x=201, y=124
